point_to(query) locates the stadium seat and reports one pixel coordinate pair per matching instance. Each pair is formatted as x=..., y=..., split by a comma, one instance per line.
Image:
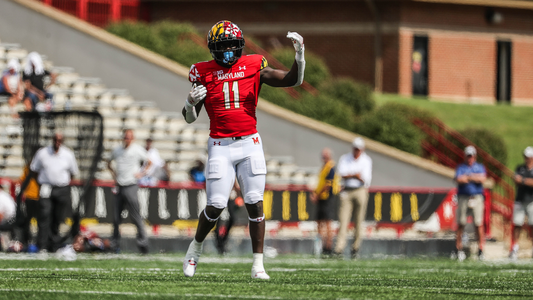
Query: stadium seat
x=179, y=176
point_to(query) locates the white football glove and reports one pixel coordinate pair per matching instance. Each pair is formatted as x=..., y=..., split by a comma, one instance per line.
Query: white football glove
x=298, y=43
x=196, y=95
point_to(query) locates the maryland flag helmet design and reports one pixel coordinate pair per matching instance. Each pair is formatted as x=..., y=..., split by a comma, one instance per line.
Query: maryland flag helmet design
x=225, y=42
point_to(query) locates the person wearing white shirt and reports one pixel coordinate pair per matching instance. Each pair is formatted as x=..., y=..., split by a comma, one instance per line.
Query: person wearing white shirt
x=128, y=159
x=152, y=173
x=355, y=170
x=7, y=207
x=55, y=166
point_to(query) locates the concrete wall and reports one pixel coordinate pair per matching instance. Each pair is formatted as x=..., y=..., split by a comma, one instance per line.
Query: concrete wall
x=90, y=56
x=282, y=137
x=122, y=65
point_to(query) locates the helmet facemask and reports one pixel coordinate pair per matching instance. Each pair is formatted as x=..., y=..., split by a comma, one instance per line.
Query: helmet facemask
x=225, y=42
x=227, y=52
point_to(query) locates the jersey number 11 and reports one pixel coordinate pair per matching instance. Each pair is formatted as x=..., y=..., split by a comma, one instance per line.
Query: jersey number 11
x=226, y=90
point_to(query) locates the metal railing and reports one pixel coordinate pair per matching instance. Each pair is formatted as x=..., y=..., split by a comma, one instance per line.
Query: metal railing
x=445, y=146
x=98, y=12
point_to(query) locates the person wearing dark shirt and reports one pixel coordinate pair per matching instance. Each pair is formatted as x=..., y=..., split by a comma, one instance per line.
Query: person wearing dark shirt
x=523, y=205
x=470, y=177
x=34, y=76
x=322, y=196
x=196, y=173
x=33, y=208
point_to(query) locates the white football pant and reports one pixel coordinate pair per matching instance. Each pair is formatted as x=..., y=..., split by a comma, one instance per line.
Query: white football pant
x=227, y=158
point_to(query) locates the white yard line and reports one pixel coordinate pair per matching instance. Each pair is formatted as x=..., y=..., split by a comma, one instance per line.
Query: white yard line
x=138, y=294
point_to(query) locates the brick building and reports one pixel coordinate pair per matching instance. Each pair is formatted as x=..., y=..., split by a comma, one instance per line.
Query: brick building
x=478, y=51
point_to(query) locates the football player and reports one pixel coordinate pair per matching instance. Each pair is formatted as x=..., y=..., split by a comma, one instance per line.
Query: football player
x=228, y=86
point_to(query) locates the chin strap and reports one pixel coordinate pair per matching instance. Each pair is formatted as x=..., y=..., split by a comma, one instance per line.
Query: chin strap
x=257, y=220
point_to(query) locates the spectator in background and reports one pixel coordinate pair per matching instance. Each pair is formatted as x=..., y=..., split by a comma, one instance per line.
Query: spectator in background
x=153, y=170
x=470, y=177
x=164, y=175
x=55, y=166
x=33, y=208
x=323, y=197
x=34, y=77
x=523, y=204
x=89, y=241
x=128, y=157
x=8, y=211
x=11, y=85
x=196, y=173
x=355, y=170
x=8, y=208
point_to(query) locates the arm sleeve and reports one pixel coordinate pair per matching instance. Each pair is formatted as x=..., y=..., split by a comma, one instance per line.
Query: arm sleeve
x=458, y=172
x=341, y=167
x=73, y=165
x=483, y=170
x=366, y=174
x=36, y=164
x=143, y=154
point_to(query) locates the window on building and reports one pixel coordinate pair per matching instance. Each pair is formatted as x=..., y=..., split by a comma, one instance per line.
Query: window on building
x=419, y=66
x=503, y=71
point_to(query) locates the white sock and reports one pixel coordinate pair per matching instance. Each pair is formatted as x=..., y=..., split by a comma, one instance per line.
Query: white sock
x=196, y=247
x=515, y=247
x=258, y=261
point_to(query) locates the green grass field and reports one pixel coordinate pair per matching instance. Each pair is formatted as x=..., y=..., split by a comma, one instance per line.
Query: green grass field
x=292, y=277
x=513, y=123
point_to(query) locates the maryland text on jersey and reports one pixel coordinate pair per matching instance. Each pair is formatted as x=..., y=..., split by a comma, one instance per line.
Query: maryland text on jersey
x=220, y=75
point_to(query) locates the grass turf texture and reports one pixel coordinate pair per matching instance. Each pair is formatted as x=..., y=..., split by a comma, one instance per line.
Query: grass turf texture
x=293, y=277
x=512, y=123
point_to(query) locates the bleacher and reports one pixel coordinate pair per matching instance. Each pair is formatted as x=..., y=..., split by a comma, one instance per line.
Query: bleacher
x=179, y=143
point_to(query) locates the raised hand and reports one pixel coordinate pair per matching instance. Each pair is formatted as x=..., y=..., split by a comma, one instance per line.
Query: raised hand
x=196, y=95
x=297, y=41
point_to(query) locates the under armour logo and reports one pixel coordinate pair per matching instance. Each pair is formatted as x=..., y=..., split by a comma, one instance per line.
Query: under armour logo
x=256, y=140
x=242, y=68
x=216, y=143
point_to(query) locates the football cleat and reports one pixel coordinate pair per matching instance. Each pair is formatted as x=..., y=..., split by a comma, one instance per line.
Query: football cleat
x=513, y=255
x=225, y=42
x=189, y=267
x=260, y=274
x=461, y=256
x=480, y=255
x=191, y=259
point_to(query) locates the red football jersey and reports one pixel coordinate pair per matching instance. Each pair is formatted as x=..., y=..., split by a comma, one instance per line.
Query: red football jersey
x=232, y=94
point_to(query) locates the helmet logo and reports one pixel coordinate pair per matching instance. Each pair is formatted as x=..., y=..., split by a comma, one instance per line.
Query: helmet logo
x=232, y=30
